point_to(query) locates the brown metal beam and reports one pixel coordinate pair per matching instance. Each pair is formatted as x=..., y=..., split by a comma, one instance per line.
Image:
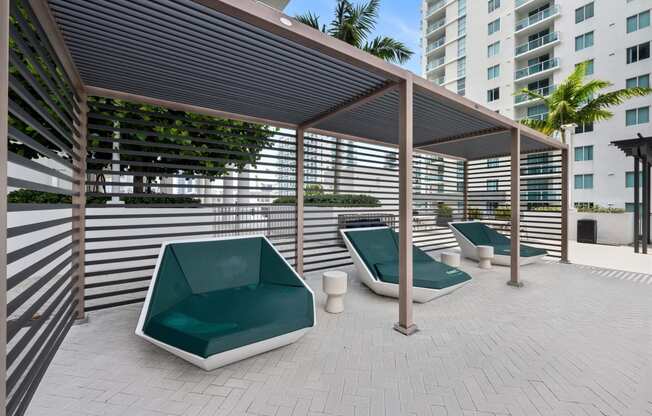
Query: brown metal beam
x=465, y=196
x=515, y=251
x=299, y=200
x=4, y=115
x=46, y=19
x=637, y=204
x=405, y=323
x=352, y=104
x=462, y=137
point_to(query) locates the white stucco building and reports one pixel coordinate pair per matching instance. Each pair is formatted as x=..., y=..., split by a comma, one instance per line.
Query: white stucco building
x=490, y=49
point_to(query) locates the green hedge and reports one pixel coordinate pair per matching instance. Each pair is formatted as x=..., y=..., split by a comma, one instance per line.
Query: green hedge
x=27, y=196
x=332, y=200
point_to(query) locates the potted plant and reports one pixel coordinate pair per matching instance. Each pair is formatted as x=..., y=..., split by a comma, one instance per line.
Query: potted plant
x=444, y=215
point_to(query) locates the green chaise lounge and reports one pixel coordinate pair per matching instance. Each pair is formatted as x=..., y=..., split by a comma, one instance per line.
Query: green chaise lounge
x=375, y=254
x=214, y=302
x=471, y=234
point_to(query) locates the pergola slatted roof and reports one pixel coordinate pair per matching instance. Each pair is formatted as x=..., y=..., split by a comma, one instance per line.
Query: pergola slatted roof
x=238, y=58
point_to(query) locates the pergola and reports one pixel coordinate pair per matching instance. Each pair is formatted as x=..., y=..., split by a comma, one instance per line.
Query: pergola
x=241, y=60
x=640, y=148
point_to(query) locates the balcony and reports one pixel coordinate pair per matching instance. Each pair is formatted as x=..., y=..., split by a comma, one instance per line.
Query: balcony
x=525, y=98
x=548, y=39
x=436, y=44
x=435, y=63
x=435, y=25
x=438, y=80
x=532, y=21
x=435, y=7
x=548, y=65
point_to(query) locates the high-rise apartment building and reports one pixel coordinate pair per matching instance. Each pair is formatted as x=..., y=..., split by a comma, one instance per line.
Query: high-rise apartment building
x=489, y=50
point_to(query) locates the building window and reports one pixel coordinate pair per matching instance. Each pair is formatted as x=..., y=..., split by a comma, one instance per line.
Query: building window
x=494, y=26
x=493, y=49
x=461, y=47
x=642, y=81
x=638, y=52
x=493, y=163
x=583, y=13
x=637, y=116
x=638, y=21
x=583, y=153
x=584, y=128
x=584, y=181
x=493, y=94
x=589, y=66
x=629, y=179
x=461, y=26
x=493, y=72
x=492, y=185
x=584, y=41
x=493, y=5
x=461, y=7
x=585, y=205
x=461, y=86
x=461, y=68
x=539, y=112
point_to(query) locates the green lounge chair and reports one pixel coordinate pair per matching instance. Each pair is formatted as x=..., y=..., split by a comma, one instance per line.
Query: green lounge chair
x=375, y=254
x=214, y=302
x=471, y=234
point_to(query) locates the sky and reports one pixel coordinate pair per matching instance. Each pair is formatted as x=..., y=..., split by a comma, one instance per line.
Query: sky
x=399, y=19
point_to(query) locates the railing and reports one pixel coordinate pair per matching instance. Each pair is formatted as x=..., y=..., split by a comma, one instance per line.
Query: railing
x=436, y=63
x=541, y=117
x=436, y=44
x=519, y=3
x=536, y=68
x=545, y=91
x=537, y=43
x=535, y=18
x=436, y=25
x=439, y=80
x=435, y=7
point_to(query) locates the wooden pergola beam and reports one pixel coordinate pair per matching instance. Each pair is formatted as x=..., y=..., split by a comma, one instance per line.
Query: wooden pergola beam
x=515, y=251
x=4, y=112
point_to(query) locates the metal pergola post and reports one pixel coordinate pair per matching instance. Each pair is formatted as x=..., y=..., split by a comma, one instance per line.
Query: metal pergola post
x=515, y=250
x=299, y=200
x=4, y=112
x=565, y=203
x=646, y=204
x=79, y=203
x=405, y=323
x=637, y=204
x=465, y=196
x=649, y=200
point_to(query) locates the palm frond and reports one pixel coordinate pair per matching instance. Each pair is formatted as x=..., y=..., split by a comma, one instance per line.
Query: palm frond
x=595, y=109
x=540, y=125
x=310, y=19
x=388, y=49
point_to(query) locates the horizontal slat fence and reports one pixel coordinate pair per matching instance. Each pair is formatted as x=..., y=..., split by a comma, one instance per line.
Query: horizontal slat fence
x=41, y=259
x=490, y=197
x=345, y=167
x=158, y=175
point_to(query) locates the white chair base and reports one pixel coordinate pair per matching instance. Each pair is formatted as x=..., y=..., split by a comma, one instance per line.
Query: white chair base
x=451, y=259
x=485, y=256
x=334, y=284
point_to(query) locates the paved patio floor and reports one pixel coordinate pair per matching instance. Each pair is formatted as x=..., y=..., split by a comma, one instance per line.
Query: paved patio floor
x=571, y=342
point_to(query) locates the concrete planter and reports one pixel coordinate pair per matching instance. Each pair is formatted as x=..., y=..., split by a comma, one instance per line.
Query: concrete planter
x=613, y=229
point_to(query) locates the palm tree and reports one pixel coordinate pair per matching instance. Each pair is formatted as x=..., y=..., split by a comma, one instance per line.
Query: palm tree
x=579, y=102
x=353, y=24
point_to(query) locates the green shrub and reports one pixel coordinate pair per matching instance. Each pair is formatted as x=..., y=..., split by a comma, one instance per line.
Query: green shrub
x=331, y=200
x=28, y=196
x=503, y=213
x=444, y=210
x=314, y=189
x=602, y=210
x=474, y=214
x=547, y=209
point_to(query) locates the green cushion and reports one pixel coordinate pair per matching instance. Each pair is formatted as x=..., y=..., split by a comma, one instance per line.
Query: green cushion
x=214, y=296
x=481, y=235
x=431, y=274
x=379, y=251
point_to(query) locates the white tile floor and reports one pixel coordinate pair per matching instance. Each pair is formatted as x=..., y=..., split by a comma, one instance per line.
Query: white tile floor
x=569, y=343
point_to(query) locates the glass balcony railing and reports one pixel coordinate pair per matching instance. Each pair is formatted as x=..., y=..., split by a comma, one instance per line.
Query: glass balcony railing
x=535, y=18
x=541, y=116
x=435, y=6
x=545, y=91
x=439, y=80
x=436, y=44
x=537, y=43
x=536, y=68
x=519, y=3
x=436, y=25
x=435, y=63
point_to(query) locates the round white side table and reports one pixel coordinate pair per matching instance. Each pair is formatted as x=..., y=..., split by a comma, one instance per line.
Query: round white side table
x=450, y=259
x=485, y=256
x=334, y=283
